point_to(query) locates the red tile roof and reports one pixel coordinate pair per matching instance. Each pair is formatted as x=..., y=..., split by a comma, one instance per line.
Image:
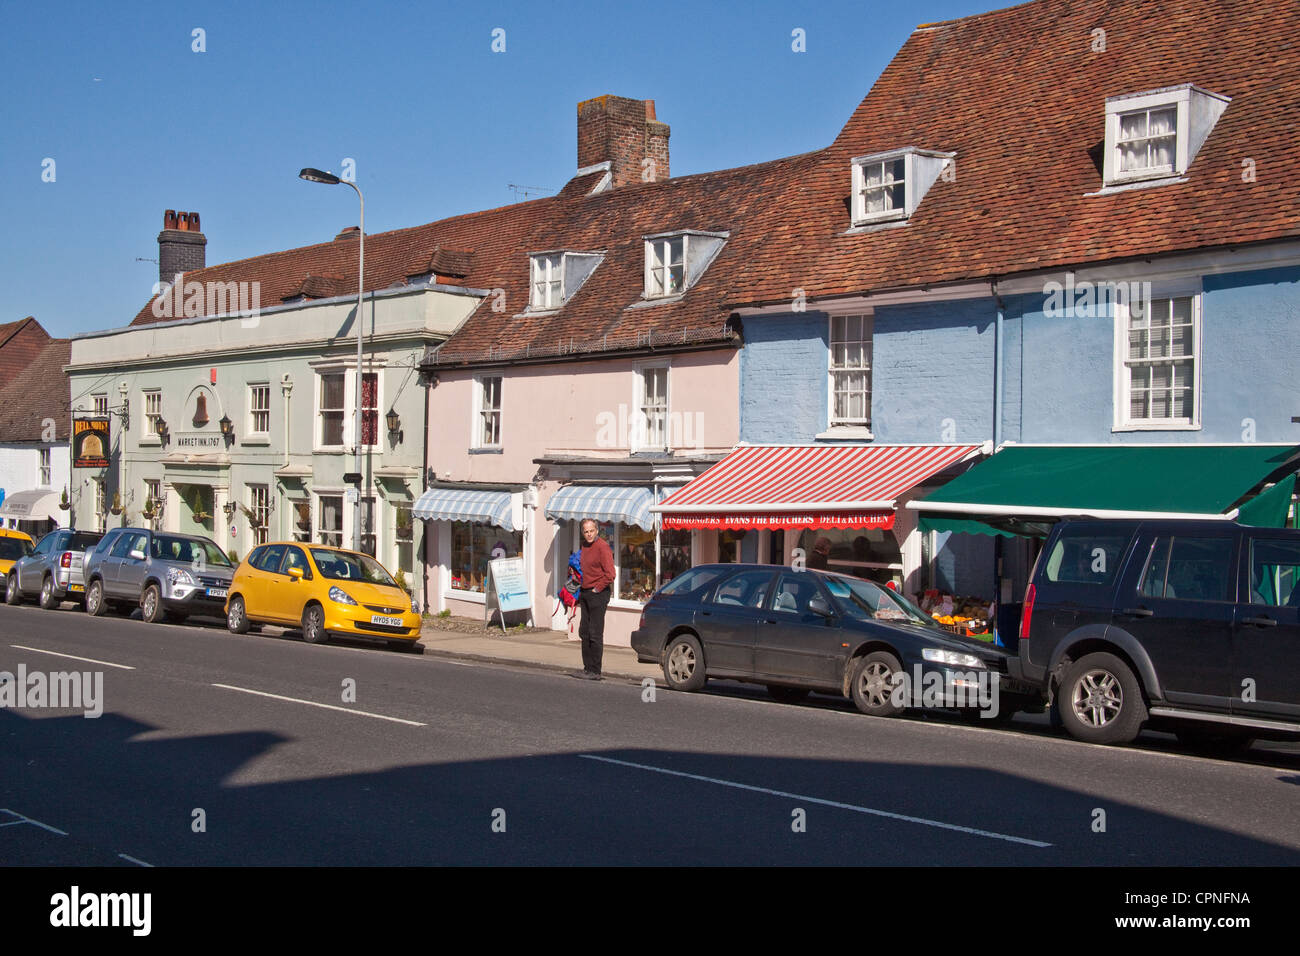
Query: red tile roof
x=1019, y=94
x=20, y=343
x=40, y=392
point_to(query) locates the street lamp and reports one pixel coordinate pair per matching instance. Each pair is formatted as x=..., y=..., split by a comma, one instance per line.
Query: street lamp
x=329, y=179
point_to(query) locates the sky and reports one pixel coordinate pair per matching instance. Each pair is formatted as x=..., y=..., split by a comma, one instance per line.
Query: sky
x=112, y=114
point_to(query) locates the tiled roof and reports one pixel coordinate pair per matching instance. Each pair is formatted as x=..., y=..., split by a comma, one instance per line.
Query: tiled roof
x=20, y=343
x=39, y=392
x=1019, y=94
x=321, y=287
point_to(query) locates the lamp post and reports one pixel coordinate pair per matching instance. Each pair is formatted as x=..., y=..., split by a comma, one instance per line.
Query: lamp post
x=319, y=176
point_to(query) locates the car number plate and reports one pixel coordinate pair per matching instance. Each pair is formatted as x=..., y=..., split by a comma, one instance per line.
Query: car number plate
x=216, y=592
x=76, y=587
x=390, y=621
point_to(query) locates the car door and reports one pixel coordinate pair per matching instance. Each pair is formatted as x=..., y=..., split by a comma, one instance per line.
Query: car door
x=31, y=568
x=727, y=618
x=110, y=566
x=1179, y=604
x=286, y=593
x=129, y=582
x=796, y=639
x=264, y=588
x=1266, y=629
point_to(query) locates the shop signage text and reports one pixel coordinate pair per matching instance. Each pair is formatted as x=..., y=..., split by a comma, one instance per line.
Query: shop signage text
x=752, y=520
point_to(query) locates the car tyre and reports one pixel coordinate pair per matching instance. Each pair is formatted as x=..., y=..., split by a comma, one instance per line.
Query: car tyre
x=236, y=616
x=48, y=601
x=151, y=605
x=13, y=596
x=95, y=603
x=1099, y=700
x=873, y=684
x=786, y=695
x=313, y=625
x=683, y=663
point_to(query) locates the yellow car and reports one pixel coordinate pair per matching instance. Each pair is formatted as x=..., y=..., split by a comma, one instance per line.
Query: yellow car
x=13, y=545
x=325, y=591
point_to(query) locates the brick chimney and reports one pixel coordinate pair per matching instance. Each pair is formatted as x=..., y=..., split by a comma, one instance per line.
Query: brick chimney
x=626, y=134
x=180, y=245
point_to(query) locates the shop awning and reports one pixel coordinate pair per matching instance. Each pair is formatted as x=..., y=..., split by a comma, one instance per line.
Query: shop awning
x=465, y=504
x=1028, y=483
x=807, y=486
x=35, y=505
x=627, y=503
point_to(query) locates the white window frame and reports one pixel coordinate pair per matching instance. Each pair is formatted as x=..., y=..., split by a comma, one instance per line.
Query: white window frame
x=350, y=398
x=547, y=268
x=658, y=249
x=836, y=428
x=1122, y=391
x=1118, y=110
x=253, y=411
x=43, y=468
x=99, y=403
x=477, y=419
x=260, y=533
x=318, y=518
x=638, y=440
x=153, y=492
x=860, y=164
x=318, y=422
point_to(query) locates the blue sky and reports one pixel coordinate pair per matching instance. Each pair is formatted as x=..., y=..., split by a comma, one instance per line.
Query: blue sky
x=137, y=122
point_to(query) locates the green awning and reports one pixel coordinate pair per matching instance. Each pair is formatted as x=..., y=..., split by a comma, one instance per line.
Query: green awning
x=1269, y=509
x=1024, y=483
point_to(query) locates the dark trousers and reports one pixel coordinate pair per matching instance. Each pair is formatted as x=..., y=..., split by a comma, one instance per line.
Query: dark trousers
x=592, y=627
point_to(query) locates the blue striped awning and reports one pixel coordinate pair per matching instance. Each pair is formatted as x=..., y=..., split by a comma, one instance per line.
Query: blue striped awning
x=463, y=504
x=631, y=505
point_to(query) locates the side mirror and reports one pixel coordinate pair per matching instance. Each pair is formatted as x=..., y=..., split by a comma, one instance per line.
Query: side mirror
x=295, y=573
x=138, y=555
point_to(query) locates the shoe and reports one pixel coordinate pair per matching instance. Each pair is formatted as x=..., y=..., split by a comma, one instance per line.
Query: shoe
x=586, y=675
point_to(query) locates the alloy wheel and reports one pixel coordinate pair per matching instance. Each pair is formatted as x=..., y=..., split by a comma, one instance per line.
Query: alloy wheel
x=1097, y=698
x=681, y=663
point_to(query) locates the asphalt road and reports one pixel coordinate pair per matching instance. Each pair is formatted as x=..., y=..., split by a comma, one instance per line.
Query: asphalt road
x=444, y=762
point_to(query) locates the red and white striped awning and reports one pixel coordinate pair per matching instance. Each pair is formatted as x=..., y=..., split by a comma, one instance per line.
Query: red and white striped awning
x=807, y=486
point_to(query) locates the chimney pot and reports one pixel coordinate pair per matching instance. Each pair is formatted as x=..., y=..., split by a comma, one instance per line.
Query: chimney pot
x=181, y=246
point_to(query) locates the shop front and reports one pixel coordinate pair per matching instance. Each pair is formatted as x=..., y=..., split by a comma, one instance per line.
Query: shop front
x=466, y=529
x=833, y=507
x=33, y=512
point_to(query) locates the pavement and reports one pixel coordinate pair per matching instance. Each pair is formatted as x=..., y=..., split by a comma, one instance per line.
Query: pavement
x=548, y=650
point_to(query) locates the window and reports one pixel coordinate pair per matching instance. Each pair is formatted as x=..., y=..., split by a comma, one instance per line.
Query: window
x=301, y=520
x=870, y=553
x=1156, y=135
x=153, y=498
x=331, y=408
x=652, y=409
x=152, y=412
x=889, y=186
x=850, y=370
x=473, y=546
x=368, y=540
x=330, y=520
x=1275, y=572
x=1159, y=348
x=259, y=504
x=1085, y=556
x=43, y=480
x=548, y=282
x=638, y=568
x=99, y=403
x=746, y=589
x=1189, y=569
x=259, y=409
x=369, y=408
x=665, y=266
x=487, y=429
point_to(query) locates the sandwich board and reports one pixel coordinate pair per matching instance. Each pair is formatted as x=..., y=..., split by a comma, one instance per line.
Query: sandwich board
x=506, y=590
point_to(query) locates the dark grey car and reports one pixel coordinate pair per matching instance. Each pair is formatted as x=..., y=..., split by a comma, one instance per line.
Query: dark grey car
x=53, y=572
x=163, y=573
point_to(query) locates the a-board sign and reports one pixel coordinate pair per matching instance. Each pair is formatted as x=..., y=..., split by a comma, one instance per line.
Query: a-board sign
x=506, y=590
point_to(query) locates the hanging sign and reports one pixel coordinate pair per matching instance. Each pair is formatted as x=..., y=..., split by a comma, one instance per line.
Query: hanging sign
x=90, y=443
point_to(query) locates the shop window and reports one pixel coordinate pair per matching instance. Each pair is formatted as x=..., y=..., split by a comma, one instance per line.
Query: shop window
x=729, y=546
x=871, y=553
x=634, y=557
x=473, y=546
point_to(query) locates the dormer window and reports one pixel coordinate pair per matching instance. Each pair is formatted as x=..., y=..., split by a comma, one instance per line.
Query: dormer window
x=889, y=186
x=557, y=277
x=1156, y=135
x=675, y=261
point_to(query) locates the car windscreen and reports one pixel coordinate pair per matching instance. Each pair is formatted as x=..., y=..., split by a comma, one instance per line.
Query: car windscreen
x=866, y=601
x=82, y=541
x=350, y=566
x=190, y=550
x=11, y=549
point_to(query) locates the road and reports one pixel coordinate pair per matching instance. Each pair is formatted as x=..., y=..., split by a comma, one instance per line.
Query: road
x=217, y=749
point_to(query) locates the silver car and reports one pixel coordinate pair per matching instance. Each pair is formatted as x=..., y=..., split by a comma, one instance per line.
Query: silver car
x=53, y=572
x=163, y=573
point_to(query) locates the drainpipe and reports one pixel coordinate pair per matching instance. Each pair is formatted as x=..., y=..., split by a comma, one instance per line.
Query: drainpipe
x=998, y=377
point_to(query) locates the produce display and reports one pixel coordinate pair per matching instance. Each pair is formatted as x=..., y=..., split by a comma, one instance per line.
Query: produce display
x=965, y=615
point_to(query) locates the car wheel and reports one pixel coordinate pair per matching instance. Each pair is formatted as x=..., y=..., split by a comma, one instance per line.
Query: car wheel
x=151, y=605
x=786, y=695
x=1099, y=700
x=12, y=594
x=684, y=663
x=313, y=625
x=48, y=601
x=95, y=603
x=873, y=684
x=1214, y=742
x=236, y=618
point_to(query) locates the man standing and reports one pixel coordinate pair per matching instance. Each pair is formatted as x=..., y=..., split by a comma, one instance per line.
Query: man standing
x=597, y=579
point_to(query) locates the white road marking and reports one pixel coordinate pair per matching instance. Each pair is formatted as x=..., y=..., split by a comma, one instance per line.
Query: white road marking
x=135, y=861
x=35, y=823
x=826, y=803
x=88, y=660
x=312, y=703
